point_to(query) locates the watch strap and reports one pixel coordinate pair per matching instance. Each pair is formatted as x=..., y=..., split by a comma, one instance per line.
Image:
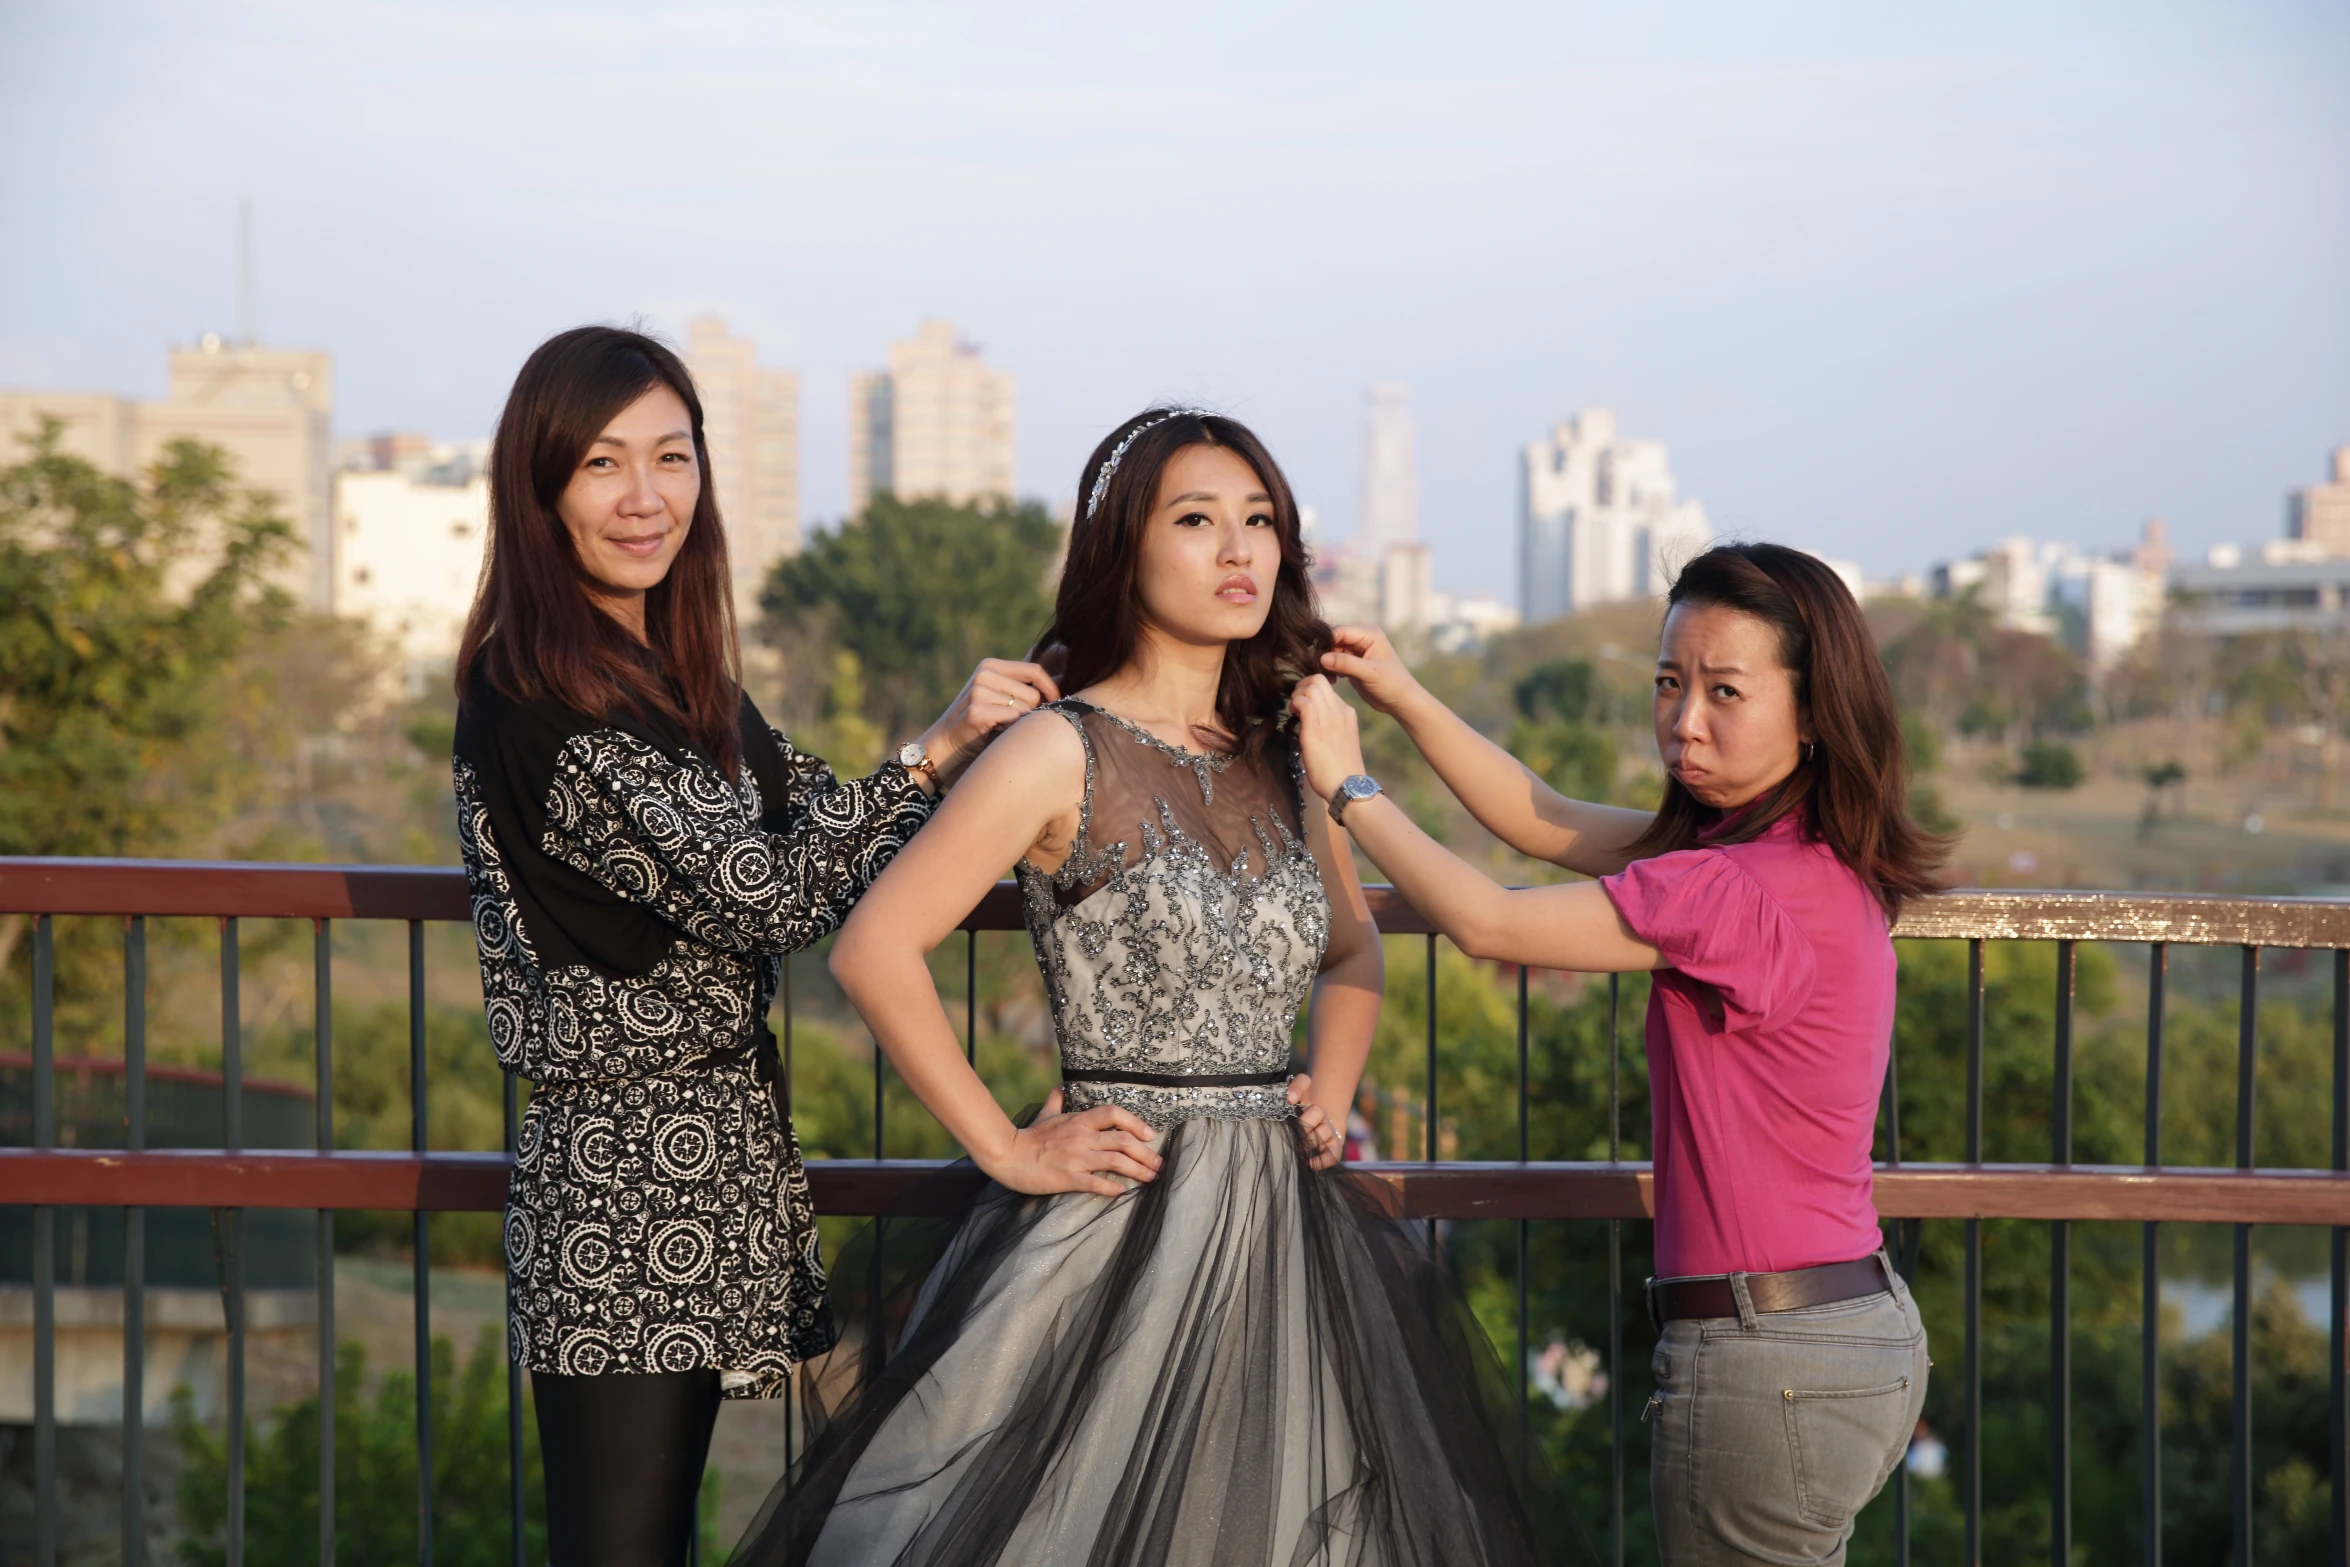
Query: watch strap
x=1340, y=799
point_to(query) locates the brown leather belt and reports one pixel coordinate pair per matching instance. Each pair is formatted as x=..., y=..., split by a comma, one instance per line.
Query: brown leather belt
x=1671, y=1300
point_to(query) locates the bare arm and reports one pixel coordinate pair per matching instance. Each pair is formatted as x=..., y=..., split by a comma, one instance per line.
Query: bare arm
x=1500, y=791
x=1346, y=994
x=1572, y=927
x=1021, y=793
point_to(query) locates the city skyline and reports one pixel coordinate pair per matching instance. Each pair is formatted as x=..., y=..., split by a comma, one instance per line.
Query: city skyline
x=2003, y=272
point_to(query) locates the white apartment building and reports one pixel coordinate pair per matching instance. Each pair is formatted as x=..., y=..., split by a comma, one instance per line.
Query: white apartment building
x=409, y=550
x=2117, y=598
x=1600, y=519
x=937, y=423
x=751, y=420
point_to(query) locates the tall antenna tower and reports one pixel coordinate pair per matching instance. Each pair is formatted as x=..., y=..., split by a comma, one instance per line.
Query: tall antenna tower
x=248, y=296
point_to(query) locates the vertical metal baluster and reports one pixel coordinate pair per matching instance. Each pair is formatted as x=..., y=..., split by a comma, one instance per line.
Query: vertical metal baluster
x=2240, y=1390
x=880, y=1064
x=44, y=1250
x=1615, y=1281
x=1973, y=1456
x=2338, y=1375
x=515, y=1499
x=134, y=1247
x=1431, y=1126
x=1524, y=1423
x=1899, y=1252
x=421, y=1262
x=2060, y=1290
x=790, y=1398
x=322, y=987
x=971, y=997
x=2150, y=1287
x=232, y=1251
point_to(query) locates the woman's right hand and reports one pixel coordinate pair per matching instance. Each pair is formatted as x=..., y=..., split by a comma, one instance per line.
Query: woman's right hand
x=1365, y=656
x=1060, y=1152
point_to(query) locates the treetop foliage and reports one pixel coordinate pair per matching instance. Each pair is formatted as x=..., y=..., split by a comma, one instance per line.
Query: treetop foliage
x=123, y=613
x=919, y=591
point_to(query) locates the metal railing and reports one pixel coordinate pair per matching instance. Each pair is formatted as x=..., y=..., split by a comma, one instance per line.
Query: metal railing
x=234, y=1179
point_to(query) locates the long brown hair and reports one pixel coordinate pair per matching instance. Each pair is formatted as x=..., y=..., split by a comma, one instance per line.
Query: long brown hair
x=1853, y=786
x=1097, y=614
x=535, y=633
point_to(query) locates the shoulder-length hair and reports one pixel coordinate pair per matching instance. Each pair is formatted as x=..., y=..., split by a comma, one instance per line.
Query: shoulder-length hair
x=535, y=632
x=1853, y=784
x=1097, y=613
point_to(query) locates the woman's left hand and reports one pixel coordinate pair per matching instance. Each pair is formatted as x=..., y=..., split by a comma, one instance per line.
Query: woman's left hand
x=1313, y=1124
x=1000, y=691
x=1329, y=737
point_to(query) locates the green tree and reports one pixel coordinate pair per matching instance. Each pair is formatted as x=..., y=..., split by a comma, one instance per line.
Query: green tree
x=124, y=612
x=1560, y=704
x=919, y=591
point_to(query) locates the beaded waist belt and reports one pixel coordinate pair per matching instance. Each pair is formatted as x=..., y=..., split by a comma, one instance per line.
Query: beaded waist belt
x=1174, y=1079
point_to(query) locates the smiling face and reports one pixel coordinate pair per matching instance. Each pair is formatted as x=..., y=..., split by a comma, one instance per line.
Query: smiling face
x=631, y=500
x=1210, y=550
x=1728, y=724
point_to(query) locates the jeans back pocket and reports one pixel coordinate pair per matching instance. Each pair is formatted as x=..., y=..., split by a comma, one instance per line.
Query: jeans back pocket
x=1845, y=1443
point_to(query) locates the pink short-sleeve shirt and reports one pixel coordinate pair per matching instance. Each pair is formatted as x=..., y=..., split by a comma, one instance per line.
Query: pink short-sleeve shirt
x=1768, y=1030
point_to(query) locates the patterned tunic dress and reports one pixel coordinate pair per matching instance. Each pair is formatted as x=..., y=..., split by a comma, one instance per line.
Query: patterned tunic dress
x=632, y=906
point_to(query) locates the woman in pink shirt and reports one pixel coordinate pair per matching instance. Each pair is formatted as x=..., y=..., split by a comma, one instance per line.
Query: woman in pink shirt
x=1791, y=1364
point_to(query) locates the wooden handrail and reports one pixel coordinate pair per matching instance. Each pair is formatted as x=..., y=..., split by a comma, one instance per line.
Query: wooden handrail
x=256, y=890
x=476, y=1182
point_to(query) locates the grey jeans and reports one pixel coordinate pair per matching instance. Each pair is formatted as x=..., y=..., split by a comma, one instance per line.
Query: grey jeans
x=1772, y=1430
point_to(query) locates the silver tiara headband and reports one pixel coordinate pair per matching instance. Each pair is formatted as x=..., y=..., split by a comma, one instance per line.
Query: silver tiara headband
x=1101, y=480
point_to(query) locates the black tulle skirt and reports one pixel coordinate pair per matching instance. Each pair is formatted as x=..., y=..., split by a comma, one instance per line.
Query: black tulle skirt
x=1240, y=1362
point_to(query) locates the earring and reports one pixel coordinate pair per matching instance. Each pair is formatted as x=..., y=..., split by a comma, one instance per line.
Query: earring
x=1810, y=749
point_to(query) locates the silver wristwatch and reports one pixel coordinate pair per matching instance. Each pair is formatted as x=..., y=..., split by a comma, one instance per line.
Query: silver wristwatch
x=1358, y=786
x=914, y=759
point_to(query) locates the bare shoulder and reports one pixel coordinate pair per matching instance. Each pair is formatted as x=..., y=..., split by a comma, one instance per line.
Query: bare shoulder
x=1029, y=782
x=1041, y=751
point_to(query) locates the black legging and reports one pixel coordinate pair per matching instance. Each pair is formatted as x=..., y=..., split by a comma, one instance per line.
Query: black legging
x=623, y=1457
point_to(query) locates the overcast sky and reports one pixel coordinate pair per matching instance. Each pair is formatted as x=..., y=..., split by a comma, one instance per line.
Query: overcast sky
x=1891, y=281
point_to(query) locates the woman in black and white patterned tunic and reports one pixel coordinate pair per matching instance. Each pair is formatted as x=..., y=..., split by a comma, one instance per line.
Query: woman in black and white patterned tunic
x=642, y=849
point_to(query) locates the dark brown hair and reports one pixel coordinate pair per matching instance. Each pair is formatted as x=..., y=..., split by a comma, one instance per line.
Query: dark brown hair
x=1097, y=614
x=1853, y=787
x=535, y=633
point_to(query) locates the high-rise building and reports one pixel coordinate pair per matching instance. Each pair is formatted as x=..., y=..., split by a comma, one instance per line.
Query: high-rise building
x=270, y=409
x=751, y=420
x=2320, y=514
x=1391, y=484
x=1599, y=519
x=936, y=424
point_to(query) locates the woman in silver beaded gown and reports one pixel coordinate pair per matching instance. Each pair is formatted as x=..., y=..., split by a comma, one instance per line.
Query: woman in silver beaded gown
x=1167, y=1329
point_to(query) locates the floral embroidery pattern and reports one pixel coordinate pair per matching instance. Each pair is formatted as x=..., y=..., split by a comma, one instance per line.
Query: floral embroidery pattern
x=1164, y=955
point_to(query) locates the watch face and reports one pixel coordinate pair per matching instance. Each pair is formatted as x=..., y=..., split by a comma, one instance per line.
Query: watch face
x=1359, y=787
x=909, y=755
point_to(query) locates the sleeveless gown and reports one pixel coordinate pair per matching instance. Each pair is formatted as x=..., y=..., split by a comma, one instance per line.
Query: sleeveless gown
x=1243, y=1361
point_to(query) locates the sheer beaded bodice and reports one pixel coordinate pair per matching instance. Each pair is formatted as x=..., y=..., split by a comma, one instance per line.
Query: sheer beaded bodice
x=1179, y=938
